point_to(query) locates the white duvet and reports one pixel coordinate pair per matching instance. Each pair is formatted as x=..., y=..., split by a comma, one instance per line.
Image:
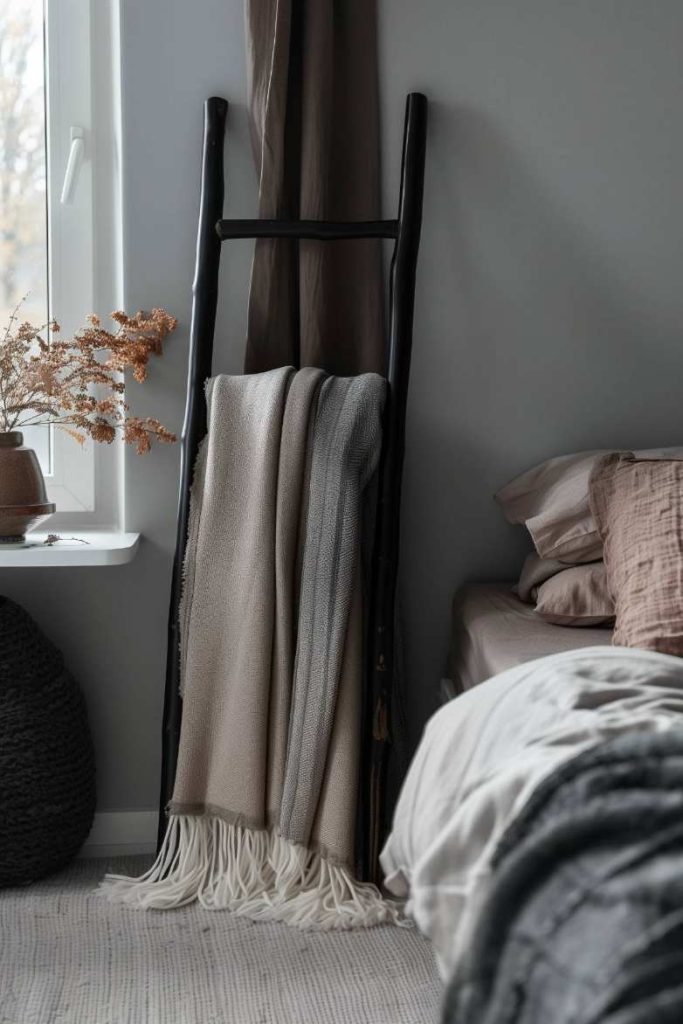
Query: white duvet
x=483, y=754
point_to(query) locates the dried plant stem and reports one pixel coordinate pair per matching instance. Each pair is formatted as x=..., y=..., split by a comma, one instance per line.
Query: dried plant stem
x=54, y=538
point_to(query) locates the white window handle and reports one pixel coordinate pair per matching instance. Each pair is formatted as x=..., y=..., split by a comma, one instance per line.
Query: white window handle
x=73, y=166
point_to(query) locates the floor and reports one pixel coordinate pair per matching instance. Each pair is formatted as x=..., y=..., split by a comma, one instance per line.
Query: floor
x=69, y=957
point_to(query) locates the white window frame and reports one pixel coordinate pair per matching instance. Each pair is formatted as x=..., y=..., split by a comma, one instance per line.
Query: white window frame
x=82, y=90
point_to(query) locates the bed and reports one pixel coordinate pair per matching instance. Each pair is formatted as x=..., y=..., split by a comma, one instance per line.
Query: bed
x=538, y=836
x=596, y=731
x=493, y=630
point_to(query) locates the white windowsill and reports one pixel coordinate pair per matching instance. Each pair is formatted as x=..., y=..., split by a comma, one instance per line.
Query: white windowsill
x=100, y=548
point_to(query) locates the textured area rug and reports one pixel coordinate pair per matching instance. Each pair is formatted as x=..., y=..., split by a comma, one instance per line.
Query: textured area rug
x=70, y=957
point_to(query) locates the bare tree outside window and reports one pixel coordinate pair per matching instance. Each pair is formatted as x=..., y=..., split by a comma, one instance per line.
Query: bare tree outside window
x=23, y=170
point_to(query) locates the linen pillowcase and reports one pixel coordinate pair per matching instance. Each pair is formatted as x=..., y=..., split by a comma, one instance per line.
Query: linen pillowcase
x=638, y=508
x=552, y=500
x=535, y=571
x=574, y=596
x=579, y=596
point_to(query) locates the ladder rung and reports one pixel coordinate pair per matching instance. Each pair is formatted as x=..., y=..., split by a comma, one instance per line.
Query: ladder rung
x=320, y=230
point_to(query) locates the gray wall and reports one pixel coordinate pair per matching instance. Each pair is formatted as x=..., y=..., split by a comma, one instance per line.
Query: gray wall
x=549, y=305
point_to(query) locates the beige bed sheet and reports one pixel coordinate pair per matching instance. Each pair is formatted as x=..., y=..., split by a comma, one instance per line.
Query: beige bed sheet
x=493, y=630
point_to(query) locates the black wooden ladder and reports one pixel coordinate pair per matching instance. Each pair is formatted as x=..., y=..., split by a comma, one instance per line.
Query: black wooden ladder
x=405, y=232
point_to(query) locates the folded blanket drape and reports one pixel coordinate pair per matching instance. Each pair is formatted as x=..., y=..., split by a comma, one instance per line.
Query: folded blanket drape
x=262, y=816
x=584, y=920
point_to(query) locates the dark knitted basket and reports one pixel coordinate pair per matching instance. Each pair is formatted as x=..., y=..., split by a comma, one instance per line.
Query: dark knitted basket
x=47, y=769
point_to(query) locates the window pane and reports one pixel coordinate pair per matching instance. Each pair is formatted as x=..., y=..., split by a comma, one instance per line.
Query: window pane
x=40, y=438
x=23, y=174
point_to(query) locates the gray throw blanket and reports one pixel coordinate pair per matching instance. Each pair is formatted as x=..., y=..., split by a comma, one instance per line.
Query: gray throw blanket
x=584, y=920
x=262, y=816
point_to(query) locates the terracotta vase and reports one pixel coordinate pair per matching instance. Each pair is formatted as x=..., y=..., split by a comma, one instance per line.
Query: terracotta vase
x=23, y=499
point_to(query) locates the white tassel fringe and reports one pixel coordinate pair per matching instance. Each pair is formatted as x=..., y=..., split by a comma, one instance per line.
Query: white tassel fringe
x=256, y=874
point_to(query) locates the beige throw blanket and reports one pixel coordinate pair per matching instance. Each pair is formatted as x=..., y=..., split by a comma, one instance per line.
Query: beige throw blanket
x=263, y=810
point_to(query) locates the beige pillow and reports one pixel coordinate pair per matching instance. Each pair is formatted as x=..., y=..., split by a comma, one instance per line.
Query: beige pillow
x=535, y=571
x=552, y=501
x=638, y=508
x=576, y=597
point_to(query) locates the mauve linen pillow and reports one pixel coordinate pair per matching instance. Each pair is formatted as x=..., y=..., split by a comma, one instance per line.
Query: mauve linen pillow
x=578, y=596
x=638, y=508
x=552, y=501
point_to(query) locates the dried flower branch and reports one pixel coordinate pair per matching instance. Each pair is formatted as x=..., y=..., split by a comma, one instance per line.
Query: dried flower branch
x=54, y=538
x=76, y=384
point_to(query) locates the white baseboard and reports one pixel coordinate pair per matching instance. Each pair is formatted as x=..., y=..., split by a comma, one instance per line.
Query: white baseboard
x=120, y=833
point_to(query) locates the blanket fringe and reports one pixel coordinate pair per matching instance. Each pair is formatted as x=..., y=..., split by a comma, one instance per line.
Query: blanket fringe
x=256, y=874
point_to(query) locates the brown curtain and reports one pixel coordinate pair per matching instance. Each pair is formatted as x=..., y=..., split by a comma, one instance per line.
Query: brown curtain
x=314, y=118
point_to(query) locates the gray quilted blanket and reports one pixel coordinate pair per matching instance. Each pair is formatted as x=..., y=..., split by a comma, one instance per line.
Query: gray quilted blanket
x=584, y=920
